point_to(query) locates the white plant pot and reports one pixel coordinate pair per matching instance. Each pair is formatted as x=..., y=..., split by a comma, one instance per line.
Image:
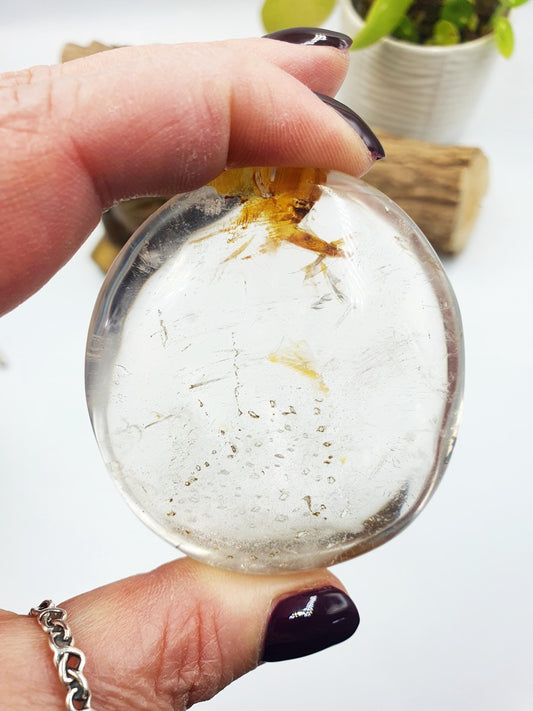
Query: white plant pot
x=413, y=90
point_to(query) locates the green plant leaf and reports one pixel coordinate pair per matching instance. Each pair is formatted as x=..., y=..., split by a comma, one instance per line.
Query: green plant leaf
x=280, y=14
x=473, y=23
x=504, y=36
x=382, y=19
x=513, y=3
x=407, y=30
x=458, y=12
x=445, y=33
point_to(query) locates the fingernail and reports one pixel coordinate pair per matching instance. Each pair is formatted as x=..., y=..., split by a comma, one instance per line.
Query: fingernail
x=370, y=139
x=308, y=622
x=312, y=35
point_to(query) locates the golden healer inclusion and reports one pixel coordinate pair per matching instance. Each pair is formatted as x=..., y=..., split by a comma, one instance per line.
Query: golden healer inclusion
x=274, y=370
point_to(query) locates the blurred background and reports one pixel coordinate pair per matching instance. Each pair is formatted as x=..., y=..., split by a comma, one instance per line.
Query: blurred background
x=446, y=607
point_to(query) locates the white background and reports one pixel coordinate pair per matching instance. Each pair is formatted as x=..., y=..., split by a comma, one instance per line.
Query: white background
x=447, y=607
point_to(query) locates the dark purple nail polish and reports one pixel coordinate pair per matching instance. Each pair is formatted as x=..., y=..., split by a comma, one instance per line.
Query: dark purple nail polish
x=370, y=139
x=312, y=35
x=308, y=622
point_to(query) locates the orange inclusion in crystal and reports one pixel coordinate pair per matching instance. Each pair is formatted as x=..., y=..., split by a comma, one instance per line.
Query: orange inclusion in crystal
x=295, y=359
x=278, y=198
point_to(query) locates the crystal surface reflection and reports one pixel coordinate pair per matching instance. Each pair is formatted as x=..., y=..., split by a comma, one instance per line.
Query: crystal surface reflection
x=274, y=370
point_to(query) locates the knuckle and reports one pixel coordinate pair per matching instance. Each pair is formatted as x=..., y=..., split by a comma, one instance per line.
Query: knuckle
x=177, y=657
x=202, y=667
x=191, y=666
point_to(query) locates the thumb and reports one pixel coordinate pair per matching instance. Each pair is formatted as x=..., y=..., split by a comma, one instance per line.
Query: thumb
x=176, y=636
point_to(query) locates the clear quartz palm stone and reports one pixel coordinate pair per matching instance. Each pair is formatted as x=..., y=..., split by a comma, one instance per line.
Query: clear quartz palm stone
x=274, y=370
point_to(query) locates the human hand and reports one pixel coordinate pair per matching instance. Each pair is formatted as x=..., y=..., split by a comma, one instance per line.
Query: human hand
x=146, y=121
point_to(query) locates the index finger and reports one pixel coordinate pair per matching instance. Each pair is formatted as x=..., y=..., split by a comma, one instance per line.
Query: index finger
x=149, y=121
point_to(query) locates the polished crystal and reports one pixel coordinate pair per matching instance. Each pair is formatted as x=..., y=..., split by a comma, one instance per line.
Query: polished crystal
x=274, y=370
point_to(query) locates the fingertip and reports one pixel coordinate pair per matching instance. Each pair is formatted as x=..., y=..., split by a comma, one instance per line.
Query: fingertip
x=308, y=622
x=361, y=128
x=269, y=617
x=312, y=36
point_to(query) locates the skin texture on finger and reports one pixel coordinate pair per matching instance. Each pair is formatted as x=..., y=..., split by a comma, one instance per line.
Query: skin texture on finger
x=76, y=138
x=164, y=640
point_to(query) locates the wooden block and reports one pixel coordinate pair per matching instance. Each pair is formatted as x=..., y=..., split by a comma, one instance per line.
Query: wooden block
x=439, y=187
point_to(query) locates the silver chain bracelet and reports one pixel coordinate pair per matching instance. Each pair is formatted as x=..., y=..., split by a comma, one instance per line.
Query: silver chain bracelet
x=69, y=660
